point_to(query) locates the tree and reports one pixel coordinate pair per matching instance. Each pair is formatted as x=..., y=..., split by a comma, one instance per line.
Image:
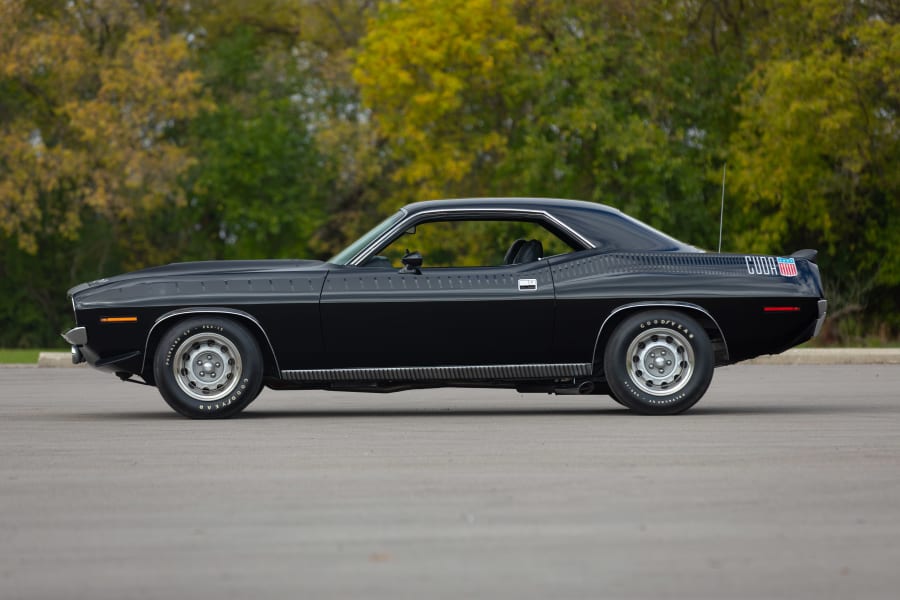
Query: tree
x=435, y=75
x=290, y=165
x=542, y=98
x=92, y=96
x=816, y=156
x=260, y=186
x=90, y=101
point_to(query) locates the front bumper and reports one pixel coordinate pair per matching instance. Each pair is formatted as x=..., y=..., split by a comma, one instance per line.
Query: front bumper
x=127, y=362
x=77, y=336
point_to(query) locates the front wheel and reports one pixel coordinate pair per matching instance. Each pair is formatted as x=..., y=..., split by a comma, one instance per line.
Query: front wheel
x=208, y=367
x=658, y=362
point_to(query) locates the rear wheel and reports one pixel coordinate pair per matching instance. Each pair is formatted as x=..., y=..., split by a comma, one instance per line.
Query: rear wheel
x=658, y=362
x=207, y=368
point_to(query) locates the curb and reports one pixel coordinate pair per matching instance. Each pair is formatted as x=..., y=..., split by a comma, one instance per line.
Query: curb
x=831, y=356
x=795, y=356
x=56, y=360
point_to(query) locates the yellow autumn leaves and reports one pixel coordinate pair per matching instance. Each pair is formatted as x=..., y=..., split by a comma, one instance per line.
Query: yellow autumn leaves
x=91, y=129
x=433, y=73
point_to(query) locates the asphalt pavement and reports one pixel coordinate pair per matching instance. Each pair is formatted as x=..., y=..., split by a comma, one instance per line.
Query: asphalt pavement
x=783, y=482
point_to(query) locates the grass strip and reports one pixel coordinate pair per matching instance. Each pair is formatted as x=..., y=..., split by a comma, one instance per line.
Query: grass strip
x=17, y=356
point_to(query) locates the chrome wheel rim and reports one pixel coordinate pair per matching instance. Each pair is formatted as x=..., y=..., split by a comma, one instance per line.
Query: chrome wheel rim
x=207, y=367
x=660, y=361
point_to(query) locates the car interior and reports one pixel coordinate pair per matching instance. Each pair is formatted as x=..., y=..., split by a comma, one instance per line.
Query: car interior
x=523, y=251
x=471, y=243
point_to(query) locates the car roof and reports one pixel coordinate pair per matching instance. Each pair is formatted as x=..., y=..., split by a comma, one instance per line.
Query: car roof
x=508, y=202
x=603, y=226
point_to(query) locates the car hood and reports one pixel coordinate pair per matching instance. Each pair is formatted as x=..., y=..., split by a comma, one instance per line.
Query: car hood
x=207, y=267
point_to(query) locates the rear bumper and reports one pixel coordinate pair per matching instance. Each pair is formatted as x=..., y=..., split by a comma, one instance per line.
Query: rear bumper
x=823, y=309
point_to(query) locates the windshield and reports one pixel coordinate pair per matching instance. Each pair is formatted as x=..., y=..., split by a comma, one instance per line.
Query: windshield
x=344, y=256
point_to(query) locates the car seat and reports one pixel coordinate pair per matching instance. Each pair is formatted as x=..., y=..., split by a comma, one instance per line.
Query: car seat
x=510, y=255
x=530, y=251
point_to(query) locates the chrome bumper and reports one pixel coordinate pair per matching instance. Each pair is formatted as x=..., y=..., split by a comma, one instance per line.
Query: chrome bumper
x=823, y=307
x=76, y=336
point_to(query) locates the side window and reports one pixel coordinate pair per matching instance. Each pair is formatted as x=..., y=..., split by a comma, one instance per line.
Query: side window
x=476, y=243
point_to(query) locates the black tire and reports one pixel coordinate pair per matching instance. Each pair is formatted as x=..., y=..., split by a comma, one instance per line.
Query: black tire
x=219, y=372
x=658, y=362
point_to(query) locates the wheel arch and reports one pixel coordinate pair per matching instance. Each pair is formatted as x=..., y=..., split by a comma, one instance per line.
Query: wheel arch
x=698, y=313
x=161, y=325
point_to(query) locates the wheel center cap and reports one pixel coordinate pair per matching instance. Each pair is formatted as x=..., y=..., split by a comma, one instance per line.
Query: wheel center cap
x=660, y=361
x=207, y=366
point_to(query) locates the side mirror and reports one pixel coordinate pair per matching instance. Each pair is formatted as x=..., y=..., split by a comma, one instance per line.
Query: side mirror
x=412, y=261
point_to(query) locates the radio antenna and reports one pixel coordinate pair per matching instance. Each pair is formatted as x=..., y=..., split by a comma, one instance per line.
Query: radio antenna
x=722, y=209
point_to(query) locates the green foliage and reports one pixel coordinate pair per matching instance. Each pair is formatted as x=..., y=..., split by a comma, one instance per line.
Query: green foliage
x=138, y=133
x=91, y=99
x=545, y=99
x=34, y=309
x=260, y=187
x=598, y=120
x=816, y=155
x=18, y=356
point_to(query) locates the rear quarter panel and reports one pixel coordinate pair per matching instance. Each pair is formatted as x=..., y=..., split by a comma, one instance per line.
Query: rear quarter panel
x=734, y=289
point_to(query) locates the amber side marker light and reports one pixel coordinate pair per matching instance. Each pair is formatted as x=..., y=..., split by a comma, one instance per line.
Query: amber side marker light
x=118, y=319
x=781, y=308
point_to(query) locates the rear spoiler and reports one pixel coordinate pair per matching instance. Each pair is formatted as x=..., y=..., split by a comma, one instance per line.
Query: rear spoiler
x=806, y=254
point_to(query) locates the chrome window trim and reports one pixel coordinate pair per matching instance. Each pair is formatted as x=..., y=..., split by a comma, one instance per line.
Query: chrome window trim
x=654, y=304
x=404, y=214
x=206, y=310
x=442, y=373
x=414, y=218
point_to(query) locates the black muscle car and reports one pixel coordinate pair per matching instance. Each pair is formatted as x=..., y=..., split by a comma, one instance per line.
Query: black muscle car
x=538, y=295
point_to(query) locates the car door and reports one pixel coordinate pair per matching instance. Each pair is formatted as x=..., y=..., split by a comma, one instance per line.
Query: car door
x=382, y=317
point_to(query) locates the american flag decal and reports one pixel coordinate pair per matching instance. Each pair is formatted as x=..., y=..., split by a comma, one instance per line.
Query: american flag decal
x=787, y=267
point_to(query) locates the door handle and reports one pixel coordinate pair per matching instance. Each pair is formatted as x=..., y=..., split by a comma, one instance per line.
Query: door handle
x=528, y=285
